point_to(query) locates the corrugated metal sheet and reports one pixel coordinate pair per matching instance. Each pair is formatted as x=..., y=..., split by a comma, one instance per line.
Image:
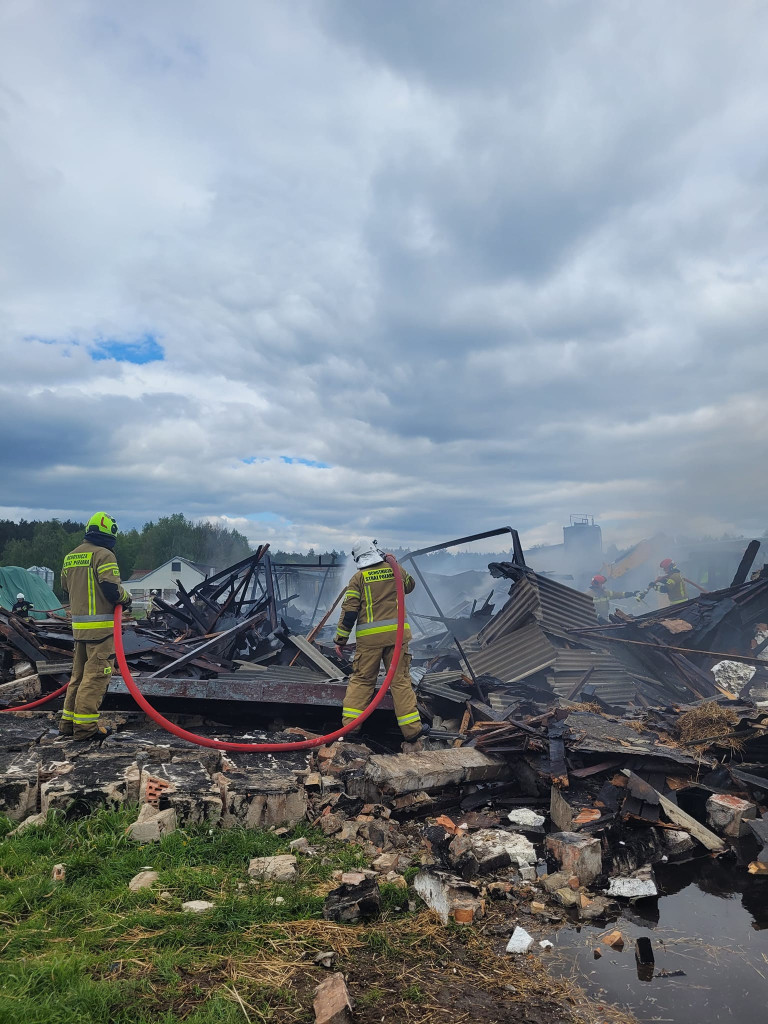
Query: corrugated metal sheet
x=563, y=608
x=522, y=605
x=514, y=656
x=556, y=606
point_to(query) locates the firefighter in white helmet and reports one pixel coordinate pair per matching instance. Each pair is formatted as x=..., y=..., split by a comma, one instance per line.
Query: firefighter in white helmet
x=370, y=605
x=22, y=607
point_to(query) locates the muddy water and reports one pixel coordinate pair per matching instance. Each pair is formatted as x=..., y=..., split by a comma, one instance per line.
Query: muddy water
x=711, y=923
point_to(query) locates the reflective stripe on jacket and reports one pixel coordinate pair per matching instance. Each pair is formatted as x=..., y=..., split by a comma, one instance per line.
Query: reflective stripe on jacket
x=85, y=569
x=370, y=605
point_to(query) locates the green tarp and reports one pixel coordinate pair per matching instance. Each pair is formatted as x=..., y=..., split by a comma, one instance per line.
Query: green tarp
x=15, y=580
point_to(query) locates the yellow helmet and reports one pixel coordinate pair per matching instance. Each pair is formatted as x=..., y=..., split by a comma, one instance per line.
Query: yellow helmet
x=100, y=522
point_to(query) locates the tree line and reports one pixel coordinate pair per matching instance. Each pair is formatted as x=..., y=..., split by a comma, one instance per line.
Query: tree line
x=46, y=542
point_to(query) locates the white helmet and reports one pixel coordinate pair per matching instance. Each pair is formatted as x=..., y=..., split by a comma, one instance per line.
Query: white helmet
x=19, y=597
x=365, y=553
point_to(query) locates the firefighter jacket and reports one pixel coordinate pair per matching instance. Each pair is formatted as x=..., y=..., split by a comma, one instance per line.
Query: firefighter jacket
x=673, y=586
x=92, y=579
x=370, y=604
x=603, y=598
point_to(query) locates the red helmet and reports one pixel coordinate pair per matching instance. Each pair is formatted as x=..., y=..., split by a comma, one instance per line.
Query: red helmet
x=666, y=564
x=599, y=580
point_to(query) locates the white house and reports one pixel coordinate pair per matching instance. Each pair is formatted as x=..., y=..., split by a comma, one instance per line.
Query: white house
x=164, y=577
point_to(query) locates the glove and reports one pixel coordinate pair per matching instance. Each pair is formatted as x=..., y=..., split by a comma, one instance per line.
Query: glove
x=637, y=593
x=126, y=603
x=339, y=648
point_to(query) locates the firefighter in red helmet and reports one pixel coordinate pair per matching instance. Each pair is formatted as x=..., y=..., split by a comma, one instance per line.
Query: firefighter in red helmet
x=671, y=582
x=603, y=597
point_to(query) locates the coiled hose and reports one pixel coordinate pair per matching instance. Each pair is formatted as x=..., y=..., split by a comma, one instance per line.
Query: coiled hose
x=204, y=741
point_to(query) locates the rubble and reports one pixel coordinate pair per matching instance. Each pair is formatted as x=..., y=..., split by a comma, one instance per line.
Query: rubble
x=730, y=815
x=281, y=868
x=450, y=897
x=152, y=824
x=353, y=902
x=520, y=941
x=145, y=879
x=197, y=906
x=332, y=1003
x=640, y=885
x=577, y=855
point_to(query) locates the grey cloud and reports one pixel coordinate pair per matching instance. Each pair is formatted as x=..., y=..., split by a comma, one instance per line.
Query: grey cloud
x=491, y=263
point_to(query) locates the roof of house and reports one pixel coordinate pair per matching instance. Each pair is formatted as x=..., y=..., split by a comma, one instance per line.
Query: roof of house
x=204, y=570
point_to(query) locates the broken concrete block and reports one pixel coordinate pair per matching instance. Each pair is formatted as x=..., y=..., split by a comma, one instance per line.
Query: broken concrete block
x=19, y=785
x=546, y=945
x=385, y=862
x=639, y=885
x=598, y=908
x=728, y=815
x=557, y=880
x=152, y=824
x=352, y=903
x=494, y=847
x=352, y=877
x=332, y=1004
x=281, y=868
x=94, y=779
x=577, y=855
x=19, y=733
x=393, y=878
x=197, y=906
x=400, y=774
x=676, y=843
x=260, y=799
x=524, y=817
x=566, y=897
x=325, y=959
x=330, y=824
x=445, y=894
x=302, y=846
x=30, y=822
x=144, y=880
x=520, y=941
x=184, y=785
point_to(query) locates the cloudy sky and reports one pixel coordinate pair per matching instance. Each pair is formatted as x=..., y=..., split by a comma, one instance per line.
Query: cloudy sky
x=330, y=267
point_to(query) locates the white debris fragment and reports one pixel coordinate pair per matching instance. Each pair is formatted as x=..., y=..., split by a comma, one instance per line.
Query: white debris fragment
x=524, y=817
x=520, y=941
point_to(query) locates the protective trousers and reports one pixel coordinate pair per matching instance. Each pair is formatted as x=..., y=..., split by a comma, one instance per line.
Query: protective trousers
x=91, y=672
x=365, y=671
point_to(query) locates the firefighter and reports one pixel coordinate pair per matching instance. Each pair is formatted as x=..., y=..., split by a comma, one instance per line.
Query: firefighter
x=22, y=607
x=92, y=579
x=370, y=604
x=154, y=615
x=670, y=583
x=603, y=597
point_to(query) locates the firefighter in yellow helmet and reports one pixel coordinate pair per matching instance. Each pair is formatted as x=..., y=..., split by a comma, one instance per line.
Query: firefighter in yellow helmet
x=370, y=605
x=92, y=579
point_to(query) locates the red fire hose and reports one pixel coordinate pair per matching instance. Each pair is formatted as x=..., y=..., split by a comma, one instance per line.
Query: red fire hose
x=204, y=741
x=318, y=741
x=36, y=703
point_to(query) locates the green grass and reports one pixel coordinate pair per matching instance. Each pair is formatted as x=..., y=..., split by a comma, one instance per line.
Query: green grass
x=89, y=950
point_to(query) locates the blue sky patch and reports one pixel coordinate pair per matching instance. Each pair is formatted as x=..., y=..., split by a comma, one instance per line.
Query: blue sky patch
x=290, y=460
x=146, y=349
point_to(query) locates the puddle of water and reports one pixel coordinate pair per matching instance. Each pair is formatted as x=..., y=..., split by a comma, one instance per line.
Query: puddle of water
x=711, y=923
